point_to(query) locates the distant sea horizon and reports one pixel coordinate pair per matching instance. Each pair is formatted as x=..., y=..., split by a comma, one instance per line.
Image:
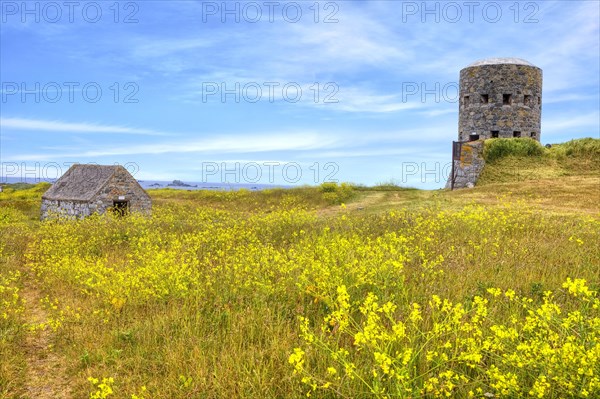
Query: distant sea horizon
x=158, y=184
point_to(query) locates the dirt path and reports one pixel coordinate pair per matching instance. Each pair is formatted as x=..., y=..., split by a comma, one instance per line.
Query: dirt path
x=361, y=204
x=45, y=369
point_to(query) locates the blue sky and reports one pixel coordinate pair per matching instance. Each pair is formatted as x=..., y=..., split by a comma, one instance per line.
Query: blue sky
x=274, y=92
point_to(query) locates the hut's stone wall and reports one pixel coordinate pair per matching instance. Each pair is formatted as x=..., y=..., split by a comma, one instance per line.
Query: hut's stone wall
x=500, y=100
x=121, y=187
x=65, y=208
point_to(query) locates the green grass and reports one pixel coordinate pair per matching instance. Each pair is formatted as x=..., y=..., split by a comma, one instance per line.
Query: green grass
x=520, y=160
x=232, y=336
x=495, y=149
x=587, y=148
x=391, y=186
x=308, y=197
x=202, y=299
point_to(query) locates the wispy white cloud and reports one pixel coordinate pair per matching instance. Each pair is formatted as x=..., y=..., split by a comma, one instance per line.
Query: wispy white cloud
x=562, y=123
x=356, y=99
x=364, y=153
x=165, y=47
x=70, y=127
x=283, y=141
x=574, y=52
x=358, y=40
x=304, y=52
x=561, y=97
x=440, y=111
x=326, y=95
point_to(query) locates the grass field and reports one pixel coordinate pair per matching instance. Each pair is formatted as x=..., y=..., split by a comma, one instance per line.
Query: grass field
x=328, y=292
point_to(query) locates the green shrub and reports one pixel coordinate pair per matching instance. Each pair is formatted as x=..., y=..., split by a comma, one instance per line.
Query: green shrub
x=520, y=147
x=336, y=193
x=329, y=187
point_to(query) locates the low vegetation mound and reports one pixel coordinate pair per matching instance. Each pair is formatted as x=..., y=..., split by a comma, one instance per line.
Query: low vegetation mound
x=515, y=160
x=582, y=148
x=499, y=148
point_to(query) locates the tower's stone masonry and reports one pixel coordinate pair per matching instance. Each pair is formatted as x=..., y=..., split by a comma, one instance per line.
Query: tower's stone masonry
x=500, y=97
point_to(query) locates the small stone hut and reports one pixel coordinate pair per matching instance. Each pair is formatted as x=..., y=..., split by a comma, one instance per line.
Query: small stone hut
x=87, y=189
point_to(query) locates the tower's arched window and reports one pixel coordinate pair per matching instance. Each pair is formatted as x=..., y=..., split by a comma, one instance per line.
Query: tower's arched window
x=506, y=99
x=485, y=98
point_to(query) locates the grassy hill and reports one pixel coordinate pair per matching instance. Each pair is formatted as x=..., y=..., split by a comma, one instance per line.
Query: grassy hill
x=562, y=179
x=521, y=160
x=328, y=291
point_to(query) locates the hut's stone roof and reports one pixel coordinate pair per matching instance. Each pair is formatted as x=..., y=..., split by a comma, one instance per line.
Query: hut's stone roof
x=81, y=182
x=496, y=61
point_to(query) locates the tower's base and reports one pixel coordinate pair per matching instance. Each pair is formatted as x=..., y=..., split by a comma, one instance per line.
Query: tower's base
x=468, y=168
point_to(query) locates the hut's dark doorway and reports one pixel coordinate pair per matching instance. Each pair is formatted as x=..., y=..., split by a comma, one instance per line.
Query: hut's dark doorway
x=121, y=208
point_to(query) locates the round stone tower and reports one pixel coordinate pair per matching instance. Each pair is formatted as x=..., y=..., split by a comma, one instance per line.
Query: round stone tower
x=500, y=97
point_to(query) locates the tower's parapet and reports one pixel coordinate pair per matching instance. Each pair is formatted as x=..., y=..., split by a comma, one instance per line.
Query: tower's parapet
x=500, y=97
